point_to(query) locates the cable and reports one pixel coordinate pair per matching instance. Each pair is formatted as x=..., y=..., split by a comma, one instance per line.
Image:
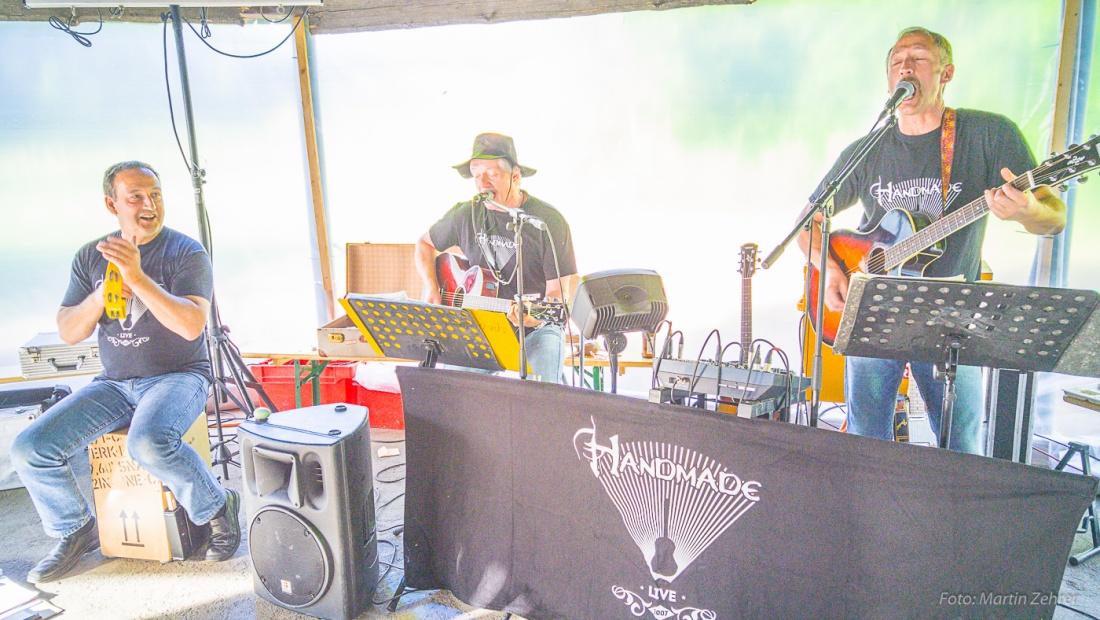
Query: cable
x=168, y=87
x=389, y=501
x=695, y=369
x=653, y=382
x=1075, y=610
x=280, y=44
x=389, y=565
x=276, y=21
x=378, y=475
x=67, y=28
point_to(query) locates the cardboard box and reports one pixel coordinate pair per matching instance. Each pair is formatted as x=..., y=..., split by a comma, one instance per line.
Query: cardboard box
x=138, y=516
x=46, y=355
x=341, y=338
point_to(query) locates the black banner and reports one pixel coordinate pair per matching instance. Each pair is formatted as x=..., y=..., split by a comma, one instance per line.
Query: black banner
x=555, y=502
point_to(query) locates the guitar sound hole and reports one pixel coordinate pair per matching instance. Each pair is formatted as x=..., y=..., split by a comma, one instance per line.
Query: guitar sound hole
x=876, y=261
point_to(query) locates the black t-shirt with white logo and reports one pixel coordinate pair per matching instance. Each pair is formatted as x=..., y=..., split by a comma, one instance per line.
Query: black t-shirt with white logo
x=904, y=172
x=138, y=345
x=483, y=236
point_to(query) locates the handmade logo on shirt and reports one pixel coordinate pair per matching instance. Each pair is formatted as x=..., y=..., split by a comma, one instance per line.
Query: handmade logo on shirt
x=135, y=309
x=924, y=195
x=498, y=248
x=674, y=502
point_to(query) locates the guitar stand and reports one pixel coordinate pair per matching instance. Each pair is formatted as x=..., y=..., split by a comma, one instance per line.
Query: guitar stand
x=1088, y=522
x=999, y=326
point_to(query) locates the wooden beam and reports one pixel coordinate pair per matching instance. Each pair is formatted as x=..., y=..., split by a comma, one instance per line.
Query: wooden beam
x=1063, y=93
x=309, y=126
x=367, y=15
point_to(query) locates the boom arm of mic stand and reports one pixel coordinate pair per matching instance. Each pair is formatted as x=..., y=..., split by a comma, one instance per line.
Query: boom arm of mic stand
x=824, y=205
x=818, y=205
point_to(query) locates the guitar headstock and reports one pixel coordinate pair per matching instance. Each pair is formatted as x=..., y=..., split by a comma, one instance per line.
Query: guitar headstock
x=547, y=310
x=748, y=260
x=1074, y=162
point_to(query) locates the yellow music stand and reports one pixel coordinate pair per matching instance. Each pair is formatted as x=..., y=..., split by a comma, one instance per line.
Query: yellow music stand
x=416, y=330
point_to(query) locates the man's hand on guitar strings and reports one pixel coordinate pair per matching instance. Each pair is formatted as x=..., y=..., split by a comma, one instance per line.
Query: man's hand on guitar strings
x=1009, y=203
x=836, y=290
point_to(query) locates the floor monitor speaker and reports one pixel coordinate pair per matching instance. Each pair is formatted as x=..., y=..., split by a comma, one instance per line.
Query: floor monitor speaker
x=309, y=500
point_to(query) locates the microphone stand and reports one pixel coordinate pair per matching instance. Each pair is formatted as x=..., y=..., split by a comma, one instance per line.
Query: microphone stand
x=519, y=218
x=823, y=204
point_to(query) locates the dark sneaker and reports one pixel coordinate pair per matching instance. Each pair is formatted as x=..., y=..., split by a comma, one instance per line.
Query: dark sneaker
x=66, y=554
x=225, y=530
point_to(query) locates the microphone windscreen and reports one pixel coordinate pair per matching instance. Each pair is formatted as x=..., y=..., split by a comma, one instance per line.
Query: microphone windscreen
x=906, y=87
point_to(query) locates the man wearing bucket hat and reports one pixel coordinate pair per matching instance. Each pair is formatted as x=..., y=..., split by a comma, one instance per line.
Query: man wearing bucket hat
x=479, y=228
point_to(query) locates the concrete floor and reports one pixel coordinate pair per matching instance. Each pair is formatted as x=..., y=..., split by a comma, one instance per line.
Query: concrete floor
x=121, y=589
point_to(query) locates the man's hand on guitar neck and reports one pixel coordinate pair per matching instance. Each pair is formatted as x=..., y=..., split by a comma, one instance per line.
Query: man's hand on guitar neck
x=528, y=320
x=1040, y=211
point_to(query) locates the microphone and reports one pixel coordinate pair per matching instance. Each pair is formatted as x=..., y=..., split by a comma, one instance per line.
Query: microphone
x=487, y=198
x=902, y=92
x=483, y=196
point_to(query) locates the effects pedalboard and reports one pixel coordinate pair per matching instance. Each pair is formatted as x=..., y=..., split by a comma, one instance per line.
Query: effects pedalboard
x=756, y=391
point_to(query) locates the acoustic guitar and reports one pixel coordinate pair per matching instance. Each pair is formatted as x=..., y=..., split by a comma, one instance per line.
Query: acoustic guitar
x=465, y=286
x=906, y=243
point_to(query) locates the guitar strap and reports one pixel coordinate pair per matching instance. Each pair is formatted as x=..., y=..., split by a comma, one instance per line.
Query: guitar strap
x=947, y=152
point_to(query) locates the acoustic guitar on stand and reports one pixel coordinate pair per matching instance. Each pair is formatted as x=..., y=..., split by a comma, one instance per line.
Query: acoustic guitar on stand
x=747, y=269
x=465, y=286
x=906, y=243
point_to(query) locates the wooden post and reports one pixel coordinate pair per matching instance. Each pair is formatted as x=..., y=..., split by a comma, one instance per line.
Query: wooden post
x=310, y=128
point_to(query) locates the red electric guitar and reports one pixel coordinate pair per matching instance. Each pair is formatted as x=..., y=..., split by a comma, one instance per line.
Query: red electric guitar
x=905, y=243
x=464, y=286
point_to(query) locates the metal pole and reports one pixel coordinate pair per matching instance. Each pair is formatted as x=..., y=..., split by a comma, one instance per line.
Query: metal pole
x=213, y=323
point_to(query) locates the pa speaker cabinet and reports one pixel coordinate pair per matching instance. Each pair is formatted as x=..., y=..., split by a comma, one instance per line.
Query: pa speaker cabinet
x=309, y=500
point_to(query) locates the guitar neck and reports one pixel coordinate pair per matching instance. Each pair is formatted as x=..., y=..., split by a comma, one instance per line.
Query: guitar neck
x=746, y=315
x=479, y=302
x=945, y=226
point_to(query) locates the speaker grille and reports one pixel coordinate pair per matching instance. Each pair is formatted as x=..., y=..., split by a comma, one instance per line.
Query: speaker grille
x=290, y=557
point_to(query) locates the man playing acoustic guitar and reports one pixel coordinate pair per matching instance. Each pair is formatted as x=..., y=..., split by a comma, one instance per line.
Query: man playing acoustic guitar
x=932, y=164
x=479, y=228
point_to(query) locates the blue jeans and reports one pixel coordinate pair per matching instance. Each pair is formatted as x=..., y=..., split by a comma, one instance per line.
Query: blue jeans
x=159, y=410
x=871, y=387
x=546, y=353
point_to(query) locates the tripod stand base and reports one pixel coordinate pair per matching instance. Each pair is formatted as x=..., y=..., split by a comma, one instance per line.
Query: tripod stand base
x=1089, y=523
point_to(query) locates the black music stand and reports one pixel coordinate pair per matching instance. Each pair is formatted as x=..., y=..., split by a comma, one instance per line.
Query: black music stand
x=1024, y=328
x=409, y=329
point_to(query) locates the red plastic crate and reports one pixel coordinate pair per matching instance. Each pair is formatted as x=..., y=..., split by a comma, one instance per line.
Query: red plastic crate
x=278, y=381
x=384, y=407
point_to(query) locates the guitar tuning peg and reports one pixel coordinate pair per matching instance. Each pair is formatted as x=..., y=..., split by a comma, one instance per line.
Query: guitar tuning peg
x=1064, y=187
x=1081, y=179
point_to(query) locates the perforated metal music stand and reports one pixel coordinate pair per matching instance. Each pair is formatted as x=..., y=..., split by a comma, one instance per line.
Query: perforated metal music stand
x=408, y=329
x=1024, y=328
